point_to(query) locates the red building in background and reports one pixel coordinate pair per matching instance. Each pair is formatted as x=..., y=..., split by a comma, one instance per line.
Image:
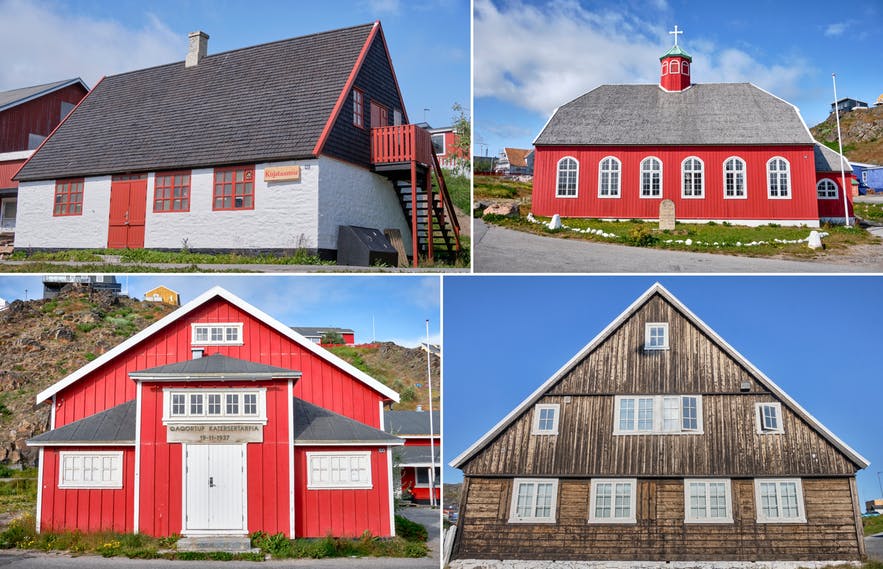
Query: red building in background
x=415, y=459
x=217, y=420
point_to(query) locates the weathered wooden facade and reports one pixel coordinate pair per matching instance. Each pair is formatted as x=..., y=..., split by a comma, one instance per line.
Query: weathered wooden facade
x=659, y=442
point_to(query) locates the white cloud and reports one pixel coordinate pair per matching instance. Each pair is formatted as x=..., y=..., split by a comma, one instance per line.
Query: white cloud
x=40, y=44
x=540, y=58
x=836, y=29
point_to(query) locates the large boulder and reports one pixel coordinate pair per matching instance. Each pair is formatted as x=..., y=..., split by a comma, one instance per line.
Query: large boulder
x=506, y=210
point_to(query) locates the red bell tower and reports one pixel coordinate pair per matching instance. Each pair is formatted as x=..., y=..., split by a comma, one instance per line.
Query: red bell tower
x=676, y=63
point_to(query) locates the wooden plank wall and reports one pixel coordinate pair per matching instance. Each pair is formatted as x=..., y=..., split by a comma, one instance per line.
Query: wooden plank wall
x=660, y=533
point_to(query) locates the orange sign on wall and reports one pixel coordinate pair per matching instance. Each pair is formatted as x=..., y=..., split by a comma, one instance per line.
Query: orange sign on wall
x=282, y=173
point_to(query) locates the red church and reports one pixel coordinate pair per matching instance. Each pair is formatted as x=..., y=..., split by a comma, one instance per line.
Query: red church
x=720, y=151
x=217, y=420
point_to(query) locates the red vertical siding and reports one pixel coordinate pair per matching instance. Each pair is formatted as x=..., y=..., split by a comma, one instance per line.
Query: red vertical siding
x=86, y=510
x=7, y=171
x=38, y=116
x=757, y=206
x=834, y=208
x=349, y=339
x=342, y=512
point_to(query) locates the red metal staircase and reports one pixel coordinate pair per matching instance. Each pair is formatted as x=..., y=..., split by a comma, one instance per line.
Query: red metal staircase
x=404, y=154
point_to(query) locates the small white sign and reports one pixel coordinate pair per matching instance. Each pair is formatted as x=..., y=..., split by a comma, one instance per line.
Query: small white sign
x=211, y=433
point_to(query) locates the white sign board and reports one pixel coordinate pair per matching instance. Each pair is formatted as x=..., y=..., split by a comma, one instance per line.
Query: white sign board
x=211, y=433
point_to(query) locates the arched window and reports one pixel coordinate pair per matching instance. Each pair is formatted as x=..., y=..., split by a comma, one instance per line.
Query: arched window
x=692, y=178
x=609, y=177
x=568, y=174
x=734, y=178
x=665, y=67
x=674, y=66
x=778, y=178
x=685, y=68
x=827, y=189
x=651, y=177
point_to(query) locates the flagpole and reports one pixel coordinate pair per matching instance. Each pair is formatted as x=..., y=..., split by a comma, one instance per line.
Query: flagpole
x=842, y=158
x=431, y=426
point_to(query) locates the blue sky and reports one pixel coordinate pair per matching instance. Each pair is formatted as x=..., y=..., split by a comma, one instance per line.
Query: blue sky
x=815, y=337
x=52, y=40
x=398, y=305
x=532, y=56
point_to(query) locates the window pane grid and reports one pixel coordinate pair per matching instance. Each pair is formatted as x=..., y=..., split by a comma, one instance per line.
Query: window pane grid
x=627, y=415
x=734, y=178
x=171, y=192
x=609, y=183
x=778, y=178
x=827, y=189
x=68, y=197
x=234, y=188
x=603, y=499
x=692, y=177
x=689, y=414
x=217, y=334
x=567, y=177
x=651, y=178
x=645, y=414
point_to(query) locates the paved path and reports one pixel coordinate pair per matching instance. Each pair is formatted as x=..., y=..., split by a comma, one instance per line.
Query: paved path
x=64, y=267
x=874, y=546
x=501, y=250
x=430, y=519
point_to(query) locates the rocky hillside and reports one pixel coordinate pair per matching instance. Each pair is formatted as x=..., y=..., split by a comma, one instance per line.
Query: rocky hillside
x=862, y=134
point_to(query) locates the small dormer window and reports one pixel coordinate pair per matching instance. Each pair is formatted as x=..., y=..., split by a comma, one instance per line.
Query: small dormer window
x=769, y=418
x=229, y=334
x=665, y=67
x=685, y=68
x=675, y=66
x=545, y=419
x=656, y=336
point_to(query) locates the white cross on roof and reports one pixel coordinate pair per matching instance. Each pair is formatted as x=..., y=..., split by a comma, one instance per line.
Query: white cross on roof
x=675, y=34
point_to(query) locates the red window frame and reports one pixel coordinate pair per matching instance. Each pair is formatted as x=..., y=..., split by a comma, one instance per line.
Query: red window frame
x=239, y=182
x=68, y=197
x=165, y=184
x=358, y=107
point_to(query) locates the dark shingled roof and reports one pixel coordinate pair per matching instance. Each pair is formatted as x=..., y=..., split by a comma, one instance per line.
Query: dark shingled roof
x=262, y=103
x=404, y=423
x=115, y=425
x=412, y=455
x=15, y=96
x=319, y=331
x=829, y=161
x=317, y=425
x=215, y=366
x=716, y=113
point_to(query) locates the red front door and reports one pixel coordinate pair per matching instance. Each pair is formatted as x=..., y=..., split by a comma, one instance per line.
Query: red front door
x=128, y=207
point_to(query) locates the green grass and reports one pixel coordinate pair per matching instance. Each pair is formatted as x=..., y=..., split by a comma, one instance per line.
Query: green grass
x=19, y=495
x=873, y=524
x=869, y=211
x=280, y=547
x=44, y=267
x=150, y=256
x=458, y=188
x=489, y=187
x=866, y=565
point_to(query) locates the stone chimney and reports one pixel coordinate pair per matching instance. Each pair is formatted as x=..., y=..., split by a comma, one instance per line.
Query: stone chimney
x=197, y=49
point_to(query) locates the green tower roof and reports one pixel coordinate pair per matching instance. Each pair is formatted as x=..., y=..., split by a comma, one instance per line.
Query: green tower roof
x=676, y=51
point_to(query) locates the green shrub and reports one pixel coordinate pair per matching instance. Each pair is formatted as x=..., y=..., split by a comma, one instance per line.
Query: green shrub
x=86, y=327
x=411, y=531
x=276, y=545
x=21, y=532
x=641, y=236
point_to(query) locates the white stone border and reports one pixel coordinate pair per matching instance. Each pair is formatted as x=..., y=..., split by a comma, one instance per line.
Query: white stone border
x=525, y=564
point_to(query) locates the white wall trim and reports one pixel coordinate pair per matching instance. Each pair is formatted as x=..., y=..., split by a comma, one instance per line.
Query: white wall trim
x=39, y=514
x=52, y=415
x=391, y=493
x=290, y=392
x=136, y=477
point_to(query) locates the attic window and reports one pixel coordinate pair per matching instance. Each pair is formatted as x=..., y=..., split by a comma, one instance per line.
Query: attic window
x=214, y=406
x=545, y=419
x=358, y=108
x=769, y=418
x=656, y=336
x=229, y=334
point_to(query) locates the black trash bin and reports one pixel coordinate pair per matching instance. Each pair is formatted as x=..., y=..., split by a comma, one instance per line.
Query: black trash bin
x=364, y=247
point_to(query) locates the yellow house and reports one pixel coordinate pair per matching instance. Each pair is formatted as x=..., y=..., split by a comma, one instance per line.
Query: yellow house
x=164, y=295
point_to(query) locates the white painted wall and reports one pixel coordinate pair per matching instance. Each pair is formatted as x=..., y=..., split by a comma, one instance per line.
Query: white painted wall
x=37, y=227
x=284, y=214
x=355, y=196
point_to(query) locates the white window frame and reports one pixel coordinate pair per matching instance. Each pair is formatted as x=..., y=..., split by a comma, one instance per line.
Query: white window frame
x=535, y=429
x=763, y=518
x=558, y=193
x=613, y=193
x=728, y=496
x=779, y=177
x=758, y=413
x=633, y=500
x=685, y=68
x=214, y=325
x=665, y=67
x=647, y=327
x=444, y=148
x=189, y=417
x=672, y=69
x=313, y=484
x=744, y=171
x=650, y=195
x=827, y=196
x=114, y=483
x=514, y=518
x=658, y=418
x=701, y=172
x=425, y=470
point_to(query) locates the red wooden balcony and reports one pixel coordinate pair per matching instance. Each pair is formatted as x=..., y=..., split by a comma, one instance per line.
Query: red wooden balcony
x=396, y=144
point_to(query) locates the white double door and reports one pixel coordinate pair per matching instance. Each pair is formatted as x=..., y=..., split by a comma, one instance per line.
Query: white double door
x=214, y=488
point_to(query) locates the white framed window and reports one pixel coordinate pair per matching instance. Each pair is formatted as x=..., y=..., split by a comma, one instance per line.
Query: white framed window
x=657, y=414
x=421, y=476
x=778, y=179
x=665, y=67
x=734, y=179
x=330, y=470
x=692, y=178
x=545, y=419
x=769, y=418
x=656, y=336
x=651, y=176
x=567, y=178
x=708, y=501
x=90, y=469
x=438, y=143
x=534, y=500
x=613, y=501
x=826, y=189
x=220, y=334
x=779, y=500
x=675, y=66
x=609, y=177
x=214, y=405
x=685, y=68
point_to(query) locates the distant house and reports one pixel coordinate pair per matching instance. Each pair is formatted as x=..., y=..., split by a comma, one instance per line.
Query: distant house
x=164, y=295
x=315, y=333
x=52, y=284
x=27, y=116
x=416, y=459
x=869, y=176
x=484, y=164
x=514, y=161
x=444, y=143
x=846, y=104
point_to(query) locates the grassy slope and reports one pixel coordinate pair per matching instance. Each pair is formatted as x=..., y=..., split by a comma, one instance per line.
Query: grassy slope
x=862, y=134
x=494, y=187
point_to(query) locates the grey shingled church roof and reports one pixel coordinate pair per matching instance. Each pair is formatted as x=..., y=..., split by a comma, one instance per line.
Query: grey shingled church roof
x=261, y=103
x=115, y=425
x=15, y=96
x=215, y=366
x=409, y=456
x=404, y=423
x=827, y=160
x=716, y=113
x=317, y=425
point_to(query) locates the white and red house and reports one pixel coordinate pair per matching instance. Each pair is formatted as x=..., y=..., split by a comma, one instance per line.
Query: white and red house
x=217, y=420
x=720, y=151
x=419, y=460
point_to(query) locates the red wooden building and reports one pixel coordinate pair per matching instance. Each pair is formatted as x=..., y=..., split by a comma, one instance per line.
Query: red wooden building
x=420, y=459
x=316, y=333
x=720, y=151
x=217, y=420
